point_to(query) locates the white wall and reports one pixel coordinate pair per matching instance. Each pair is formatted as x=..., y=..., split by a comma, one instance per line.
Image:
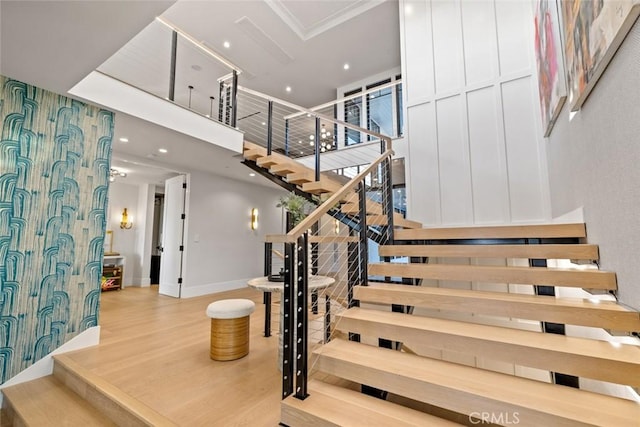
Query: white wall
x=593, y=164
x=222, y=252
x=476, y=154
x=122, y=195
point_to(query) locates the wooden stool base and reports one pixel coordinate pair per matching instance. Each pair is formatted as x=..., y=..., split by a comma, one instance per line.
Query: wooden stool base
x=229, y=338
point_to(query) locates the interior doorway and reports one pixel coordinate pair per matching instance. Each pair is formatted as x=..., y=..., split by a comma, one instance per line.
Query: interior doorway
x=156, y=239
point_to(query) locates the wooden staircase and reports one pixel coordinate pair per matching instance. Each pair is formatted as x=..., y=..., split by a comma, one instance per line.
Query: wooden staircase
x=303, y=177
x=74, y=396
x=458, y=321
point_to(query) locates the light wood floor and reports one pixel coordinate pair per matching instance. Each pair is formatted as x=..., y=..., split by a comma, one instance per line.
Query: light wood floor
x=156, y=349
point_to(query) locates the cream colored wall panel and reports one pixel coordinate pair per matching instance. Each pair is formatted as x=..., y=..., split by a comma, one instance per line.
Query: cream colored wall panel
x=418, y=57
x=453, y=152
x=447, y=46
x=524, y=164
x=488, y=158
x=479, y=32
x=424, y=175
x=515, y=43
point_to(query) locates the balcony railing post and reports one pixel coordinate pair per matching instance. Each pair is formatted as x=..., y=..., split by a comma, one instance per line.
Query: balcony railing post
x=317, y=148
x=172, y=69
x=221, y=102
x=302, y=315
x=234, y=99
x=288, y=321
x=269, y=127
x=286, y=137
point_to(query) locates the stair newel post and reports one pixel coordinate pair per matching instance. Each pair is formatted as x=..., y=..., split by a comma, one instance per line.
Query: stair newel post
x=302, y=315
x=387, y=198
x=269, y=127
x=172, y=68
x=288, y=321
x=234, y=99
x=317, y=149
x=266, y=296
x=362, y=243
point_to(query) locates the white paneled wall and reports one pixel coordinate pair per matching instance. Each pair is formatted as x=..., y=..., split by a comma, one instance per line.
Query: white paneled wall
x=474, y=141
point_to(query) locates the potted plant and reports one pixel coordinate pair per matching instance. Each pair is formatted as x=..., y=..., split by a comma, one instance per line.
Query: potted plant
x=297, y=206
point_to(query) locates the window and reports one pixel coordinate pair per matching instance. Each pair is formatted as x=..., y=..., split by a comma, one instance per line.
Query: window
x=352, y=112
x=379, y=110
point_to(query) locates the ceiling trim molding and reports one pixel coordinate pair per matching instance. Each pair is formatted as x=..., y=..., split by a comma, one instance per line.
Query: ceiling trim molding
x=305, y=33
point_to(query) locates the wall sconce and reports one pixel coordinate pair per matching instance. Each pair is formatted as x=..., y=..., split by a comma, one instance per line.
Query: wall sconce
x=254, y=218
x=124, y=222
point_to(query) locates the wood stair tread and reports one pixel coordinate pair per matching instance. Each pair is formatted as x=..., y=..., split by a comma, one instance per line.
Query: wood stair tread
x=283, y=169
x=464, y=389
x=569, y=355
x=591, y=279
x=576, y=311
x=495, y=232
x=254, y=154
x=119, y=405
x=40, y=402
x=329, y=405
x=301, y=177
x=545, y=251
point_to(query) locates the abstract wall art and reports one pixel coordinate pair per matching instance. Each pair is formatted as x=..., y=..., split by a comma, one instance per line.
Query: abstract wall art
x=54, y=177
x=551, y=77
x=593, y=31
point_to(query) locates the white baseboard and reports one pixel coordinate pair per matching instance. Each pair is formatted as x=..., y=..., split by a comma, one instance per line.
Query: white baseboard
x=212, y=288
x=141, y=282
x=44, y=366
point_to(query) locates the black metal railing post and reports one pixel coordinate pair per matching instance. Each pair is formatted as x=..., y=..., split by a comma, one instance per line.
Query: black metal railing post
x=266, y=296
x=286, y=137
x=288, y=321
x=172, y=69
x=387, y=199
x=269, y=127
x=363, y=252
x=234, y=99
x=317, y=149
x=354, y=278
x=302, y=315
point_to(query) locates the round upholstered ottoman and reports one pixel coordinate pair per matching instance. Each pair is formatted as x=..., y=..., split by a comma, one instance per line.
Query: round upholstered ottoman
x=230, y=328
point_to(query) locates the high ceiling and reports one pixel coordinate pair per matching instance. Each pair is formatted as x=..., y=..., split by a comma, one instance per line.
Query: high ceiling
x=276, y=43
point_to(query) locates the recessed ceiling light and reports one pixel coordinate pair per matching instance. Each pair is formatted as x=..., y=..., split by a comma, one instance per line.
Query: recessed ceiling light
x=345, y=66
x=263, y=124
x=163, y=150
x=288, y=88
x=226, y=44
x=123, y=139
x=252, y=174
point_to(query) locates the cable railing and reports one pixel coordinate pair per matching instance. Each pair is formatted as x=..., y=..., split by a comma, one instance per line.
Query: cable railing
x=325, y=257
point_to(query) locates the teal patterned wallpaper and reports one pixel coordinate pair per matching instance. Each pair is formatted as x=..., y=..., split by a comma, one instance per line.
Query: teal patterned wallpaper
x=54, y=168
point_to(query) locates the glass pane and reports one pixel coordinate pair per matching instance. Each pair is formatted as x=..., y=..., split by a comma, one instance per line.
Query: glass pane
x=400, y=112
